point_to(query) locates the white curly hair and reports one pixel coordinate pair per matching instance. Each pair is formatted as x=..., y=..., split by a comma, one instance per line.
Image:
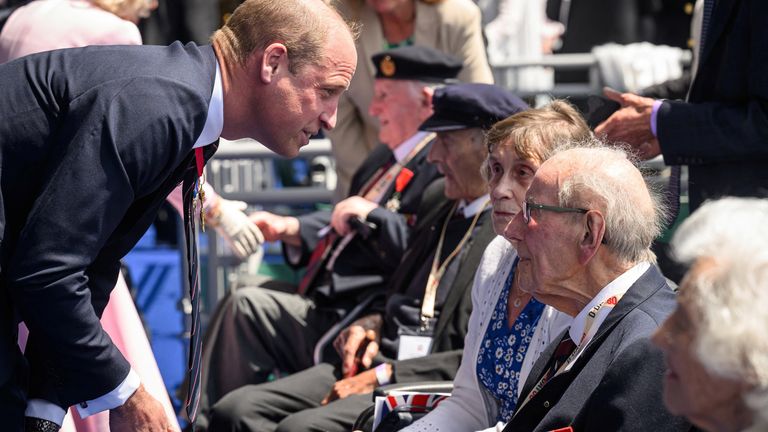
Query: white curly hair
x=732, y=295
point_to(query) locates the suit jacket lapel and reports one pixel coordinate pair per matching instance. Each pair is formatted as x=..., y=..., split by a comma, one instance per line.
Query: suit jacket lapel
x=465, y=277
x=650, y=282
x=721, y=15
x=538, y=368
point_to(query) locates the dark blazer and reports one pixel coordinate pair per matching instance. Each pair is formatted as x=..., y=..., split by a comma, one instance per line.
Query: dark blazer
x=722, y=133
x=452, y=323
x=93, y=140
x=616, y=383
x=366, y=264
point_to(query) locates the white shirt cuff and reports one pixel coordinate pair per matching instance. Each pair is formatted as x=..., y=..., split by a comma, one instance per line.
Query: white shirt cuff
x=42, y=409
x=113, y=399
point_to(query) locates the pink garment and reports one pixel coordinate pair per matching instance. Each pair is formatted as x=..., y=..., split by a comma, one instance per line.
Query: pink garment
x=45, y=25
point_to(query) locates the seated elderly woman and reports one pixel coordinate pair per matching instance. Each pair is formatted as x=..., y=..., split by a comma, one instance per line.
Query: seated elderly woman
x=508, y=329
x=715, y=343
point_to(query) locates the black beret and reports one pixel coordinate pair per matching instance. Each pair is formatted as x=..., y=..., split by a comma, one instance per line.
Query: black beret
x=417, y=63
x=465, y=106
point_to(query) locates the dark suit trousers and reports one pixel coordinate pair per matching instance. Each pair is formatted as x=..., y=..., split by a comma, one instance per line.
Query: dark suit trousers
x=290, y=404
x=13, y=398
x=256, y=331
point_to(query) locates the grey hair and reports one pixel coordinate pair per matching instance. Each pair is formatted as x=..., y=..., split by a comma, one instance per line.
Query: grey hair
x=731, y=296
x=629, y=228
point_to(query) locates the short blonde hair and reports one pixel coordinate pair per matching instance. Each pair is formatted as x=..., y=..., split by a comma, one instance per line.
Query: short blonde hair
x=130, y=10
x=255, y=24
x=535, y=132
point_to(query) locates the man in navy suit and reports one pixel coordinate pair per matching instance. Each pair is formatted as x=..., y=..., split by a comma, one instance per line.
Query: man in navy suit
x=91, y=142
x=721, y=131
x=584, y=239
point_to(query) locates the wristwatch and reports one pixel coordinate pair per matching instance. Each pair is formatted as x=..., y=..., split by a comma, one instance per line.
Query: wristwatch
x=34, y=424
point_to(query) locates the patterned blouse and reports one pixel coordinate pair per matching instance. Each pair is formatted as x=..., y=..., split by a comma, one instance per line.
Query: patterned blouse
x=503, y=349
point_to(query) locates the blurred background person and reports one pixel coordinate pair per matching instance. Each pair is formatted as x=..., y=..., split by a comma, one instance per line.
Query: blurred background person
x=715, y=342
x=505, y=319
x=520, y=30
x=451, y=26
x=45, y=25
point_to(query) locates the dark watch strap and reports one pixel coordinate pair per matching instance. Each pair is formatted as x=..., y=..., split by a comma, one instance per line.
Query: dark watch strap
x=34, y=424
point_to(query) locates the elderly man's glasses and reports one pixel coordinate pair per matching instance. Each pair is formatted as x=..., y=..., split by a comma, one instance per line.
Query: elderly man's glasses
x=528, y=206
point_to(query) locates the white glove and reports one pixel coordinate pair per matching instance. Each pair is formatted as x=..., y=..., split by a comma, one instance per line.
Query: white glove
x=242, y=235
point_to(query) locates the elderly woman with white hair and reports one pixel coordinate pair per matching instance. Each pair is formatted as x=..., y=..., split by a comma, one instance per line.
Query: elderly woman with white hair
x=716, y=342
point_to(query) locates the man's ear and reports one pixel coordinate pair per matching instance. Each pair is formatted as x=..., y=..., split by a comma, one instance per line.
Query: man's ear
x=593, y=234
x=428, y=93
x=273, y=59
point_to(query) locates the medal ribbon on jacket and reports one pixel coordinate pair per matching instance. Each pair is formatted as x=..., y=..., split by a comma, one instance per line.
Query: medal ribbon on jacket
x=198, y=195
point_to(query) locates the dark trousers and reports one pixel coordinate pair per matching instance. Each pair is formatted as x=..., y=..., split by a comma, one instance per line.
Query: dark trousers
x=13, y=397
x=254, y=332
x=290, y=404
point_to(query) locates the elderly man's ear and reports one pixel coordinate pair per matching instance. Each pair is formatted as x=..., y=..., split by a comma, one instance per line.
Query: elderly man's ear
x=593, y=235
x=427, y=94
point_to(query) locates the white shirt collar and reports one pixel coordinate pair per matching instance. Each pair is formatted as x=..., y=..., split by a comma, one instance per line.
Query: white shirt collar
x=214, y=123
x=475, y=206
x=405, y=148
x=618, y=286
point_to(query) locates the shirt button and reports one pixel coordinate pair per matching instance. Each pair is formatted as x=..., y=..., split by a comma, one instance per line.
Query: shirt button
x=546, y=404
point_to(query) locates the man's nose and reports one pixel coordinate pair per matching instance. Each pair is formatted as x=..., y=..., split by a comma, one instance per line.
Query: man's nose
x=515, y=229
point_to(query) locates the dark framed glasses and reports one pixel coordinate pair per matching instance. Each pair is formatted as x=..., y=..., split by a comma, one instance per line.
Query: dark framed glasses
x=528, y=206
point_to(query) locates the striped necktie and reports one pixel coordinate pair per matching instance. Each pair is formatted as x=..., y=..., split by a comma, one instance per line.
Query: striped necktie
x=564, y=349
x=706, y=21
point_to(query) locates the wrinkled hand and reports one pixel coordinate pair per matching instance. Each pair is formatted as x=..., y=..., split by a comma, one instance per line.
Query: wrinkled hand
x=631, y=124
x=348, y=208
x=358, y=344
x=140, y=413
x=361, y=383
x=275, y=227
x=242, y=235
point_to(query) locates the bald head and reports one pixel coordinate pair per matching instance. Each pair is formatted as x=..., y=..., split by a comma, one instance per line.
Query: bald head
x=605, y=178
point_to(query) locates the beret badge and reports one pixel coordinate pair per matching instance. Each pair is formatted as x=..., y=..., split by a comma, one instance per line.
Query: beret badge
x=387, y=66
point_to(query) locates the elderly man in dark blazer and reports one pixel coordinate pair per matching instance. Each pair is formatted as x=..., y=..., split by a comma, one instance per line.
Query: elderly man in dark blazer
x=92, y=141
x=449, y=238
x=584, y=239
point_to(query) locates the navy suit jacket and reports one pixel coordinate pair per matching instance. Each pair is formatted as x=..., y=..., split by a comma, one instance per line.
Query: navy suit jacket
x=92, y=141
x=722, y=134
x=615, y=385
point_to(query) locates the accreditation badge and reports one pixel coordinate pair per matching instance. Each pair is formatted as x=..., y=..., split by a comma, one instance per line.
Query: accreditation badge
x=414, y=343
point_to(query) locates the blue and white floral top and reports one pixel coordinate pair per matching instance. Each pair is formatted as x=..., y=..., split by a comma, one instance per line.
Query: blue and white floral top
x=503, y=349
